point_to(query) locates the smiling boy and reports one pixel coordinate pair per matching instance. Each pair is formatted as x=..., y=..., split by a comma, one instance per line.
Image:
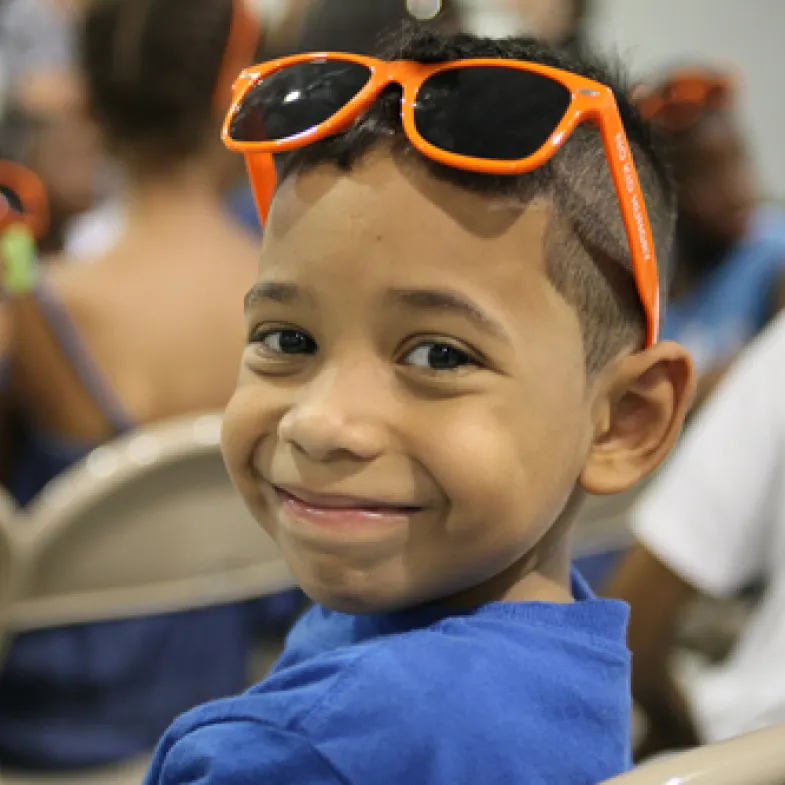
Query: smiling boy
x=440, y=364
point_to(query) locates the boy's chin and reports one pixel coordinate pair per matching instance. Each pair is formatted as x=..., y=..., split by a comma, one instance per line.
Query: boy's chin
x=361, y=600
x=354, y=603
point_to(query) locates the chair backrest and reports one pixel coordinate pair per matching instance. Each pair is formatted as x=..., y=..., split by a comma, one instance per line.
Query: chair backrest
x=147, y=524
x=753, y=759
x=12, y=562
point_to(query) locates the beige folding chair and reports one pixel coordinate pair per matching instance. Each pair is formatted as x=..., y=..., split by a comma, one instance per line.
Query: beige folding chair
x=146, y=524
x=754, y=759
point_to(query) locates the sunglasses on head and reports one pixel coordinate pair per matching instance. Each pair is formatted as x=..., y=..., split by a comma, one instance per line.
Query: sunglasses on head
x=685, y=98
x=295, y=101
x=23, y=200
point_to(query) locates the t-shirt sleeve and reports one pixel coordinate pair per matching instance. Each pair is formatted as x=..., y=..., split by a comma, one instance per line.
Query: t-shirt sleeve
x=238, y=752
x=708, y=515
x=467, y=704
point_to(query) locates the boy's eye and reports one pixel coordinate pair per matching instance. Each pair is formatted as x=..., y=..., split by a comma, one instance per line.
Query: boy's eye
x=286, y=341
x=437, y=357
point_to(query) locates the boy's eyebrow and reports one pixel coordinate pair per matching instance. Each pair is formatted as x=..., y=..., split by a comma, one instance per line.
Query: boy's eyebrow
x=447, y=300
x=274, y=291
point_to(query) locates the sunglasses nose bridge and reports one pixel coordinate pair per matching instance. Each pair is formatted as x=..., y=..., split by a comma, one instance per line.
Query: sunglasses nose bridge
x=409, y=76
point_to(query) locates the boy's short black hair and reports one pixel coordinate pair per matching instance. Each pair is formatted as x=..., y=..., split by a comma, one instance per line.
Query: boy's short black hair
x=586, y=247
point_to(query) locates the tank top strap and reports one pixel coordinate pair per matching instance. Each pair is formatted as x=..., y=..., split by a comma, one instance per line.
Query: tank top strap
x=76, y=351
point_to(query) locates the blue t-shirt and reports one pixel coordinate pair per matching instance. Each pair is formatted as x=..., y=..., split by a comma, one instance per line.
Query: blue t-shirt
x=736, y=300
x=507, y=694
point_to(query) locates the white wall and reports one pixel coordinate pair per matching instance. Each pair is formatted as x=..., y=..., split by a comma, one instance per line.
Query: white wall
x=747, y=34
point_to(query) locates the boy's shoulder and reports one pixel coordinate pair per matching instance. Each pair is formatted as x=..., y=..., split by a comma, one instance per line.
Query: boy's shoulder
x=463, y=694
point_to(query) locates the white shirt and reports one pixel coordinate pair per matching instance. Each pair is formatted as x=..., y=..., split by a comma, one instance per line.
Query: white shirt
x=716, y=517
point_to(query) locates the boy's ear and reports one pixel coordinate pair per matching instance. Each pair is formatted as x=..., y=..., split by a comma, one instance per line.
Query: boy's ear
x=639, y=413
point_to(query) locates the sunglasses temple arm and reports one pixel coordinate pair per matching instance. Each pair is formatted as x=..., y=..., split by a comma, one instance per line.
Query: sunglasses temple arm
x=636, y=220
x=263, y=178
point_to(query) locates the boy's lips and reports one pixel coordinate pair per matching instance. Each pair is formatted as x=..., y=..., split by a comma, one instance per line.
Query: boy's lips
x=329, y=501
x=342, y=512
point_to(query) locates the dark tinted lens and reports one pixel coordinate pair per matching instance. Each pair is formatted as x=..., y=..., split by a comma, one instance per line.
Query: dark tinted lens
x=490, y=112
x=11, y=196
x=297, y=98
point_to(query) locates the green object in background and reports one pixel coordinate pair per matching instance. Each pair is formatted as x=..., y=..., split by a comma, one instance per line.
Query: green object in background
x=19, y=258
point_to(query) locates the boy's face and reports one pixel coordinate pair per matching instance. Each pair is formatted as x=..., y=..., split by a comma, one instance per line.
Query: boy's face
x=412, y=412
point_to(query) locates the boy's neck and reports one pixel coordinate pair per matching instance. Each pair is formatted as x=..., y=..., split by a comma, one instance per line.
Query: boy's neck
x=541, y=575
x=538, y=577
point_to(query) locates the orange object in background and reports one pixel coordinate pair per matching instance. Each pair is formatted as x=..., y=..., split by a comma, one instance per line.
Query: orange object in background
x=23, y=199
x=680, y=101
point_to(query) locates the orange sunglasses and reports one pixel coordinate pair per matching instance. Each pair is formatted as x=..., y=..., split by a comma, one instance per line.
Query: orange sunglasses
x=295, y=101
x=685, y=97
x=23, y=200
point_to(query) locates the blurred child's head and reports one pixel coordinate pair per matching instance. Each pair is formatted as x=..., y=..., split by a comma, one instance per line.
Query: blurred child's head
x=713, y=171
x=62, y=147
x=453, y=356
x=557, y=21
x=154, y=69
x=362, y=28
x=66, y=154
x=716, y=181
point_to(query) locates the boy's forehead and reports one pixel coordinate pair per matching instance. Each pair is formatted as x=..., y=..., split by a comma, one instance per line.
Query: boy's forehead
x=391, y=201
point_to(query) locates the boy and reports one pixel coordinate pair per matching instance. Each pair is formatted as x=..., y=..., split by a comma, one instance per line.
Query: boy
x=439, y=364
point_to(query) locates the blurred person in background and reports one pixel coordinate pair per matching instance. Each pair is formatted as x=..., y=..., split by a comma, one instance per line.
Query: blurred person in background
x=729, y=274
x=62, y=146
x=360, y=27
x=713, y=524
x=148, y=331
x=45, y=126
x=560, y=22
x=38, y=53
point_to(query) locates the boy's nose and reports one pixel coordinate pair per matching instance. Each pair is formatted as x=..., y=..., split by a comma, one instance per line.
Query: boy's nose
x=333, y=418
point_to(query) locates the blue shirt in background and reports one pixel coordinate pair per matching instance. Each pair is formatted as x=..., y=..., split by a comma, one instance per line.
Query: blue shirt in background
x=508, y=694
x=736, y=300
x=242, y=207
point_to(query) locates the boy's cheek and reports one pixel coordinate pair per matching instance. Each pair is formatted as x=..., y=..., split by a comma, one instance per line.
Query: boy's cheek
x=238, y=437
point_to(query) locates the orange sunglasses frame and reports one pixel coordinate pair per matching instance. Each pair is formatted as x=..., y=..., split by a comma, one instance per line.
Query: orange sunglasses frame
x=591, y=102
x=688, y=87
x=32, y=194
